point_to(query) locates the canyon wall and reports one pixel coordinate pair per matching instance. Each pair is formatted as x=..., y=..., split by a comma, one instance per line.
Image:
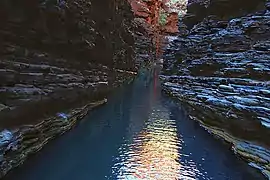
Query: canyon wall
x=219, y=69
x=58, y=60
x=57, y=51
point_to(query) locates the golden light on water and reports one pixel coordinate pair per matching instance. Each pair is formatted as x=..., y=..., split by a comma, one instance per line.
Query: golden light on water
x=157, y=153
x=154, y=152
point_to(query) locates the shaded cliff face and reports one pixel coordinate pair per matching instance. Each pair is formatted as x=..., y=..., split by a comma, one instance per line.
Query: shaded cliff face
x=197, y=10
x=220, y=70
x=72, y=29
x=58, y=51
x=58, y=60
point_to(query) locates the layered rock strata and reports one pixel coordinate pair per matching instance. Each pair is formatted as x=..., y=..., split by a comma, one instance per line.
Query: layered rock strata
x=220, y=70
x=56, y=56
x=18, y=144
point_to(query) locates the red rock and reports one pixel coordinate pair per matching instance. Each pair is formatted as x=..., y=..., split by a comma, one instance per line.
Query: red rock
x=172, y=23
x=148, y=13
x=140, y=8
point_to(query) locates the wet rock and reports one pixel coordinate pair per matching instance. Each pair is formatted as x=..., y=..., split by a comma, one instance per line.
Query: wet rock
x=17, y=145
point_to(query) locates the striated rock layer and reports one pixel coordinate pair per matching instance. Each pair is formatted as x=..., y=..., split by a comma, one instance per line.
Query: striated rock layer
x=197, y=10
x=221, y=71
x=18, y=144
x=51, y=49
x=56, y=56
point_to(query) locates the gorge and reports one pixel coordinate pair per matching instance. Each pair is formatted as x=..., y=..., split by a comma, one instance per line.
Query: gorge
x=63, y=60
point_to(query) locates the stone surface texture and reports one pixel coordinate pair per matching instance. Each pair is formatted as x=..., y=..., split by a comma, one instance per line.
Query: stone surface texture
x=220, y=69
x=56, y=56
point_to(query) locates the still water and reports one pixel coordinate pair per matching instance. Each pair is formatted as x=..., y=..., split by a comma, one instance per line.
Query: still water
x=139, y=134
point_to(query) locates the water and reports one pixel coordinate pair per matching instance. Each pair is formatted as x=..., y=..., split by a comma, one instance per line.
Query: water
x=139, y=134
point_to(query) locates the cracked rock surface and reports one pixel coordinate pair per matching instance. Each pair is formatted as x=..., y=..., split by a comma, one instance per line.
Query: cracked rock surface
x=220, y=70
x=58, y=60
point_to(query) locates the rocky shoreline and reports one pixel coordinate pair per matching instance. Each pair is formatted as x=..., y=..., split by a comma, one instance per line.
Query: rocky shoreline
x=257, y=155
x=17, y=145
x=59, y=60
x=220, y=70
x=57, y=56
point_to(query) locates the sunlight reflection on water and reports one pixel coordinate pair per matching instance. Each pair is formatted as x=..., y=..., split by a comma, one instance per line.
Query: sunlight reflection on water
x=155, y=152
x=139, y=134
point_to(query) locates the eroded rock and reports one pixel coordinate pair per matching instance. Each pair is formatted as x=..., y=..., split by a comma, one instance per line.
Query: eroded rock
x=220, y=71
x=18, y=144
x=56, y=56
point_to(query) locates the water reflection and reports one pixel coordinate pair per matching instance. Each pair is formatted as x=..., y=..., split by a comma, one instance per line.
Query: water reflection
x=139, y=134
x=153, y=153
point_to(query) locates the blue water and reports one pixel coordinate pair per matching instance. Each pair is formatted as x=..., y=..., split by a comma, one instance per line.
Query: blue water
x=139, y=134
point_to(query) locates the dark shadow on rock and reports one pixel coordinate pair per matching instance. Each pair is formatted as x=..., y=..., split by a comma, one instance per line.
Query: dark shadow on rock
x=224, y=10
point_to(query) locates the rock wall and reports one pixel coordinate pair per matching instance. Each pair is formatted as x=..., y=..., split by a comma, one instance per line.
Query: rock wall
x=72, y=29
x=159, y=18
x=17, y=145
x=157, y=15
x=56, y=56
x=60, y=51
x=220, y=70
x=224, y=9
